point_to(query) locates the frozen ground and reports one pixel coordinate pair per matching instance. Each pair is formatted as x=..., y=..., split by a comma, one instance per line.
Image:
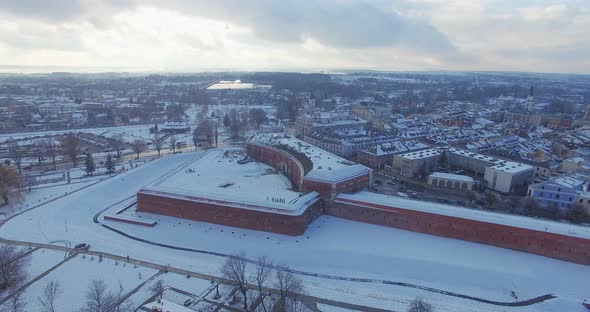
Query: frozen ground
x=41, y=195
x=75, y=275
x=330, y=246
x=130, y=132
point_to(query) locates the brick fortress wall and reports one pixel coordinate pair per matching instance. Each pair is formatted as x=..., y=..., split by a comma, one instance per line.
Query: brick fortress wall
x=562, y=247
x=220, y=212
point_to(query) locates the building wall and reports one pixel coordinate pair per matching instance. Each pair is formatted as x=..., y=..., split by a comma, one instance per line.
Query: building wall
x=230, y=216
x=547, y=194
x=567, y=248
x=279, y=160
x=507, y=182
x=328, y=191
x=409, y=167
x=450, y=183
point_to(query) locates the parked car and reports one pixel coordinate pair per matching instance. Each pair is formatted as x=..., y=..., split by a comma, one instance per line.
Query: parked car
x=82, y=246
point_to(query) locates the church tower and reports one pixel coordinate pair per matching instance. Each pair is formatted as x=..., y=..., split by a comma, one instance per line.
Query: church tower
x=530, y=100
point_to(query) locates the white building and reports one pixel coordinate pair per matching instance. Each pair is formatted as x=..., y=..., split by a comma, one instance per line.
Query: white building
x=449, y=180
x=508, y=176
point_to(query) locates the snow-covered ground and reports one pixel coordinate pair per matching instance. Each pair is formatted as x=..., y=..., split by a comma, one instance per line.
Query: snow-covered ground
x=42, y=195
x=129, y=132
x=217, y=175
x=330, y=246
x=75, y=276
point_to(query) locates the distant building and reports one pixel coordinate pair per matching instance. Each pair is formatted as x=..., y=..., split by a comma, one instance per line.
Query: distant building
x=175, y=127
x=378, y=155
x=563, y=191
x=498, y=174
x=449, y=180
x=415, y=163
x=320, y=121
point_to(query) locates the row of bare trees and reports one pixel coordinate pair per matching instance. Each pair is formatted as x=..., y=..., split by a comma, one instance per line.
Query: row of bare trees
x=289, y=287
x=14, y=262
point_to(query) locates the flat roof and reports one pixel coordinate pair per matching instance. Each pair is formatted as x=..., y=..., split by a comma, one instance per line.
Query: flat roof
x=451, y=176
x=218, y=177
x=421, y=154
x=326, y=166
x=470, y=214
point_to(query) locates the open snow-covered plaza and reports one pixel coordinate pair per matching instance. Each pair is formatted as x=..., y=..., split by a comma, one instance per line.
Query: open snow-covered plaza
x=330, y=252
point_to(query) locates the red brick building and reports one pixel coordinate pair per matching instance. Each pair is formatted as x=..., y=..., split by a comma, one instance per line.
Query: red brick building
x=229, y=213
x=535, y=241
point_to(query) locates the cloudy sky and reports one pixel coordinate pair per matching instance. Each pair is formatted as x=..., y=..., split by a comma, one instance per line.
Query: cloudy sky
x=306, y=35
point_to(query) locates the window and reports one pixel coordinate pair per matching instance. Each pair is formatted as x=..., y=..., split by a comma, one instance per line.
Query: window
x=542, y=194
x=556, y=196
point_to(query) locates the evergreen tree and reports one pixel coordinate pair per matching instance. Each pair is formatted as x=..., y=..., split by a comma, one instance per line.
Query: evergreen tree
x=110, y=164
x=90, y=166
x=226, y=121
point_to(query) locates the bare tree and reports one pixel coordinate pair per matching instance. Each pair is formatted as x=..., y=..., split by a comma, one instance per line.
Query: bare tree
x=578, y=214
x=10, y=182
x=16, y=153
x=419, y=305
x=117, y=302
x=50, y=293
x=39, y=151
x=204, y=132
x=172, y=144
x=138, y=146
x=237, y=123
x=99, y=299
x=70, y=148
x=158, y=142
x=490, y=200
x=50, y=149
x=117, y=143
x=15, y=303
x=263, y=273
x=14, y=262
x=289, y=286
x=158, y=289
x=96, y=297
x=234, y=269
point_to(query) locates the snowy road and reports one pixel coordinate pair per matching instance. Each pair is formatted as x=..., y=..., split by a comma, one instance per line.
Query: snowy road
x=331, y=246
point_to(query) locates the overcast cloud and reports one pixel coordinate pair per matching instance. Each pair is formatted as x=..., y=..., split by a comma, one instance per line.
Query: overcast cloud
x=188, y=35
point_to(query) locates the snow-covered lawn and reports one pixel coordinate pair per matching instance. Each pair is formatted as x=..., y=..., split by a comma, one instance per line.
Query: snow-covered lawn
x=129, y=132
x=39, y=196
x=75, y=276
x=41, y=261
x=330, y=246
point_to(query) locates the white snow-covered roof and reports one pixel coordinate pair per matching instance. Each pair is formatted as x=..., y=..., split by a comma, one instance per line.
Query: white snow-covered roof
x=471, y=214
x=451, y=176
x=167, y=306
x=421, y=154
x=216, y=177
x=326, y=166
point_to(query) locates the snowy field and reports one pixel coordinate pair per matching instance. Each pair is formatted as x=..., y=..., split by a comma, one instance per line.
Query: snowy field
x=41, y=195
x=130, y=132
x=75, y=275
x=330, y=246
